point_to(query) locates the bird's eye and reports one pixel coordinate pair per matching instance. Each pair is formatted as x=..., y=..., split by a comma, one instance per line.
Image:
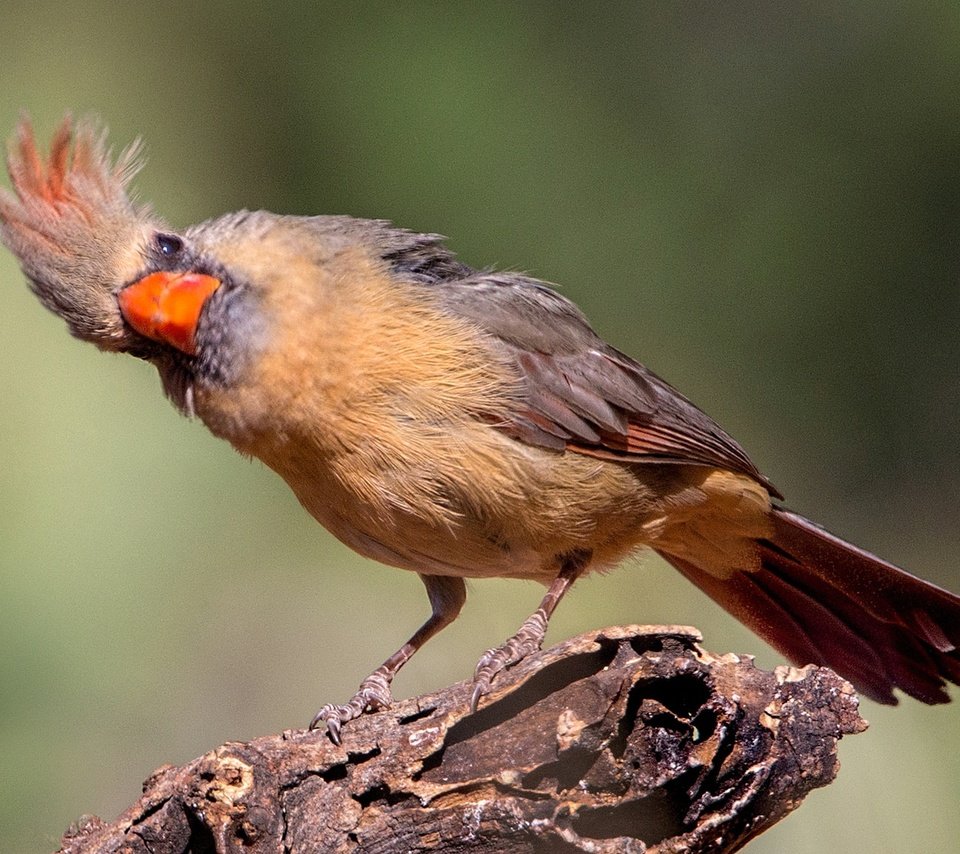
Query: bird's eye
x=169, y=245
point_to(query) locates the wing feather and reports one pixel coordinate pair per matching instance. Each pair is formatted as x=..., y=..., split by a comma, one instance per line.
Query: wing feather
x=576, y=391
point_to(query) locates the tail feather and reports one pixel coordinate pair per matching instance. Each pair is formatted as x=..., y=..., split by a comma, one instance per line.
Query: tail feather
x=820, y=600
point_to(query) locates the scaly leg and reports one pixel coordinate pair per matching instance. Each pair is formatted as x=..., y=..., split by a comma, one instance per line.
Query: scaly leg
x=447, y=595
x=530, y=635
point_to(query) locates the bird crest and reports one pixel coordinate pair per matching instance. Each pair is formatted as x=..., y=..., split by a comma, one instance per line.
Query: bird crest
x=73, y=225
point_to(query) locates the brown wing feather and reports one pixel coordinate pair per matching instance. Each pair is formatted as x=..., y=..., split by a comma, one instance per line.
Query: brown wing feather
x=603, y=404
x=577, y=393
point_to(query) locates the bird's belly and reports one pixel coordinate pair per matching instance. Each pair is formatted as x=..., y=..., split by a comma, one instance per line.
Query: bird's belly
x=481, y=505
x=427, y=543
x=445, y=555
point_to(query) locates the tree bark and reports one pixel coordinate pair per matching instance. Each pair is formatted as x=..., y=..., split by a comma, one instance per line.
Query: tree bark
x=629, y=739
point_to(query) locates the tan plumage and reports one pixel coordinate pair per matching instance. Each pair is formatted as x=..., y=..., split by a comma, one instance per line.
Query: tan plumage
x=452, y=422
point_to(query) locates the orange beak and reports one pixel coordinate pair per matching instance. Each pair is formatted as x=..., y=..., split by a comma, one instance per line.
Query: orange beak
x=166, y=306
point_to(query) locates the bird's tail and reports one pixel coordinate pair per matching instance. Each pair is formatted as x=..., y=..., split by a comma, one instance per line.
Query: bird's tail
x=820, y=600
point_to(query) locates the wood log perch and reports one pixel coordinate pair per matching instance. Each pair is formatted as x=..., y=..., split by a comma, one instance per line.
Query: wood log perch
x=629, y=739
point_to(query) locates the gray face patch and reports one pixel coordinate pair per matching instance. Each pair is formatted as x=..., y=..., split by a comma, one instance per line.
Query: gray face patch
x=231, y=332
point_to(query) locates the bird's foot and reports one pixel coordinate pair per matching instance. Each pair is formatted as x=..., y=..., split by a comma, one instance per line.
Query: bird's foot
x=526, y=641
x=373, y=694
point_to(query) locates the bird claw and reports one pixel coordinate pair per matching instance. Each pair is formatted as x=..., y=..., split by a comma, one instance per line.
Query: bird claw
x=526, y=641
x=479, y=689
x=373, y=694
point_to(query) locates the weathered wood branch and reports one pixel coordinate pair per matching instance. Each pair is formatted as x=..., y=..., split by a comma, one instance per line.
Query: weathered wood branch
x=630, y=739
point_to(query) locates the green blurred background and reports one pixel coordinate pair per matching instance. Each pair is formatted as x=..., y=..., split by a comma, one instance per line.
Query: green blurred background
x=760, y=202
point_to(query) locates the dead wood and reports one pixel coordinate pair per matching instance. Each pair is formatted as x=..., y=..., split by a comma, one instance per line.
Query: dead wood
x=629, y=739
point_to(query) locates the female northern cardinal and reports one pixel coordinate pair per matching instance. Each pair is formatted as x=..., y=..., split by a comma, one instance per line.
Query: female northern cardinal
x=452, y=422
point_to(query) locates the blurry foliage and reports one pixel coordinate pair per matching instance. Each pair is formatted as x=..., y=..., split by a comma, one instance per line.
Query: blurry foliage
x=761, y=202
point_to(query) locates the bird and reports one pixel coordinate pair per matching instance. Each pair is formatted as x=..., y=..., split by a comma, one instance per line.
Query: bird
x=451, y=421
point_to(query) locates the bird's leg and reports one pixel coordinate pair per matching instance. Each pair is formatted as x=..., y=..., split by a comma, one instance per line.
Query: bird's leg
x=530, y=635
x=447, y=595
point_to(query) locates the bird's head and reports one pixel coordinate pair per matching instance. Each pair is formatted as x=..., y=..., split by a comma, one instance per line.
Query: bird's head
x=116, y=273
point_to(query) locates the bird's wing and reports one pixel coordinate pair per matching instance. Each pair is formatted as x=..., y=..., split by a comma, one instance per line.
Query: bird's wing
x=580, y=394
